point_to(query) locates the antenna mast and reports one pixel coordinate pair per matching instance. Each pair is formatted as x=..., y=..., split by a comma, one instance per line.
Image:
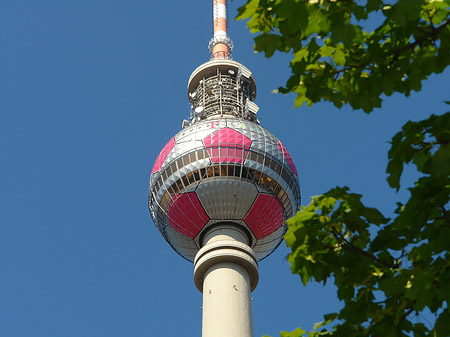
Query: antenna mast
x=220, y=45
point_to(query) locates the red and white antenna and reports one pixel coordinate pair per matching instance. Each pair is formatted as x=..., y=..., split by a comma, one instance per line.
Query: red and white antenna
x=220, y=45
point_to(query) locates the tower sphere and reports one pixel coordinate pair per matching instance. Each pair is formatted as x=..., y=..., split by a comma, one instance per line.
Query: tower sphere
x=223, y=167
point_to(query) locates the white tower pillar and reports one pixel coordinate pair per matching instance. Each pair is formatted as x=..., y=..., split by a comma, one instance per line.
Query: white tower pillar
x=226, y=272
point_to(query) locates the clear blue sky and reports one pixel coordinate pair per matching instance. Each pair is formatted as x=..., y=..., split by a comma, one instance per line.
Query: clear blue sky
x=90, y=91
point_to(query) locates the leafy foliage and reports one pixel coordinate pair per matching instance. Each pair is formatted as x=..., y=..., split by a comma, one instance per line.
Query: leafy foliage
x=336, y=59
x=387, y=271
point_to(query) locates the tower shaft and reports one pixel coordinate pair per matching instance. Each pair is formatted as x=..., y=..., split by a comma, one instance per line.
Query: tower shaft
x=226, y=272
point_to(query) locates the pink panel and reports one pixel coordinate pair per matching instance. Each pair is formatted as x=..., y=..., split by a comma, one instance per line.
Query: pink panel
x=288, y=158
x=186, y=214
x=223, y=138
x=265, y=216
x=163, y=155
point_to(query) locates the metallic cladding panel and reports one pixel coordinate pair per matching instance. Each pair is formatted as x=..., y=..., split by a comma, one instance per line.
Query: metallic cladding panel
x=265, y=216
x=191, y=188
x=159, y=196
x=163, y=155
x=187, y=215
x=172, y=179
x=233, y=143
x=183, y=245
x=268, y=244
x=227, y=199
x=287, y=157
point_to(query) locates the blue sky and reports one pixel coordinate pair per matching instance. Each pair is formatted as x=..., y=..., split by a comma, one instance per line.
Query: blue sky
x=90, y=91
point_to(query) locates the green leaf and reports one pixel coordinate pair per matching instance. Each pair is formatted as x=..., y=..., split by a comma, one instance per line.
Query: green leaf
x=343, y=33
x=373, y=5
x=296, y=333
x=268, y=43
x=406, y=10
x=326, y=51
x=300, y=55
x=294, y=14
x=394, y=169
x=247, y=10
x=339, y=57
x=442, y=327
x=318, y=325
x=438, y=165
x=330, y=317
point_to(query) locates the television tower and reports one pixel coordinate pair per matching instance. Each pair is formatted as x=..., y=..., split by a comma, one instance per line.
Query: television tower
x=222, y=188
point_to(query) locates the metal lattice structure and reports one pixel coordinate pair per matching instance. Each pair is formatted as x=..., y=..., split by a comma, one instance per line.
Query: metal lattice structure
x=224, y=88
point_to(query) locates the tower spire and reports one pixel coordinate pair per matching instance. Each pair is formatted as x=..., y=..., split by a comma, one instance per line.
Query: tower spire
x=220, y=45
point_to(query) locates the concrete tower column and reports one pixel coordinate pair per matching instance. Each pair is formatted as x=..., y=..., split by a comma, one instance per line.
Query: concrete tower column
x=226, y=272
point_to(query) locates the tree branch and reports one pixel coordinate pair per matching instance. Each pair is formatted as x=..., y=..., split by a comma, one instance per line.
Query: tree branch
x=349, y=246
x=435, y=31
x=396, y=53
x=406, y=314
